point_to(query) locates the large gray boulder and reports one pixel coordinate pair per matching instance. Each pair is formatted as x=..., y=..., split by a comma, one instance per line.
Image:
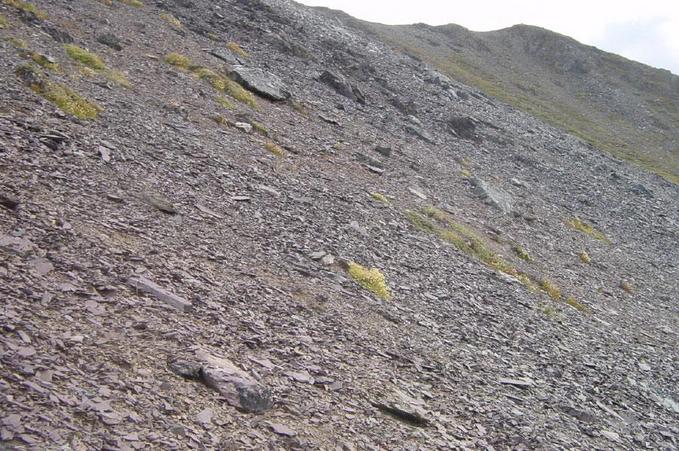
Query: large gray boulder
x=260, y=82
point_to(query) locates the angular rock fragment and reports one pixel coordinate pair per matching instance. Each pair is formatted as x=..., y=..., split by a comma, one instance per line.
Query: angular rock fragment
x=147, y=286
x=237, y=387
x=494, y=196
x=260, y=82
x=226, y=56
x=8, y=201
x=420, y=133
x=342, y=86
x=110, y=40
x=521, y=383
x=463, y=127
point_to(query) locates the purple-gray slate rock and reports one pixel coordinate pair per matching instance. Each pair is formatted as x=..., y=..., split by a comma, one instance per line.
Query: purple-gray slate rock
x=145, y=285
x=235, y=385
x=260, y=82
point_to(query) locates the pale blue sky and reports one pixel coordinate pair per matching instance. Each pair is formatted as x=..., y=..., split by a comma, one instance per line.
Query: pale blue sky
x=646, y=31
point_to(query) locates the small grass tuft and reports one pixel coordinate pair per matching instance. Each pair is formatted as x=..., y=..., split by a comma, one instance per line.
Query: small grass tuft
x=226, y=103
x=300, y=108
x=62, y=96
x=259, y=128
x=44, y=61
x=581, y=226
x=85, y=57
x=217, y=81
x=3, y=22
x=275, y=149
x=522, y=253
x=135, y=3
x=420, y=222
x=27, y=8
x=552, y=290
x=380, y=198
x=370, y=279
x=626, y=287
x=584, y=257
x=221, y=120
x=170, y=19
x=118, y=78
x=18, y=43
x=237, y=49
x=466, y=173
x=178, y=60
x=579, y=306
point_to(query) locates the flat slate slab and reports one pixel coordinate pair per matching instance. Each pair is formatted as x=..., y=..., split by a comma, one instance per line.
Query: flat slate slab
x=260, y=82
x=149, y=287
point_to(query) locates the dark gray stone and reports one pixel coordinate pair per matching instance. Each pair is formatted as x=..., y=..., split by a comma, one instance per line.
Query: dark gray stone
x=260, y=82
x=235, y=385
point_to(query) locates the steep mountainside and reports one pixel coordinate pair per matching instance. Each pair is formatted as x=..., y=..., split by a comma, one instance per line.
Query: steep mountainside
x=251, y=224
x=625, y=108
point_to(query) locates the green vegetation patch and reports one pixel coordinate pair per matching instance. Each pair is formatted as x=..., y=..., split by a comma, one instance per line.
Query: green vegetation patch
x=44, y=61
x=84, y=57
x=226, y=103
x=135, y=3
x=552, y=290
x=380, y=198
x=581, y=226
x=577, y=305
x=237, y=49
x=172, y=20
x=27, y=8
x=584, y=257
x=522, y=253
x=218, y=82
x=62, y=96
x=370, y=279
x=178, y=60
x=259, y=128
x=3, y=22
x=275, y=149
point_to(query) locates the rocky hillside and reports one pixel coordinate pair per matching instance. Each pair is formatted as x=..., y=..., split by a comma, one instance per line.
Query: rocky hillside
x=252, y=225
x=622, y=107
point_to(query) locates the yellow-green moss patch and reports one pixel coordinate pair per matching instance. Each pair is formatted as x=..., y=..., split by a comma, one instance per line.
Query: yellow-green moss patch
x=18, y=43
x=178, y=60
x=584, y=257
x=84, y=57
x=118, y=78
x=170, y=19
x=579, y=306
x=522, y=253
x=237, y=49
x=626, y=287
x=217, y=81
x=135, y=3
x=379, y=197
x=259, y=128
x=370, y=279
x=226, y=103
x=44, y=61
x=275, y=149
x=62, y=96
x=3, y=22
x=552, y=290
x=27, y=8
x=581, y=226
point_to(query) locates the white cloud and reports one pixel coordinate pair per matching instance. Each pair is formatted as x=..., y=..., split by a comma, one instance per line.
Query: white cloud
x=647, y=32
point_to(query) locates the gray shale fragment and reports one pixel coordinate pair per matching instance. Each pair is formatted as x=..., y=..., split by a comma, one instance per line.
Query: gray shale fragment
x=235, y=385
x=260, y=82
x=145, y=285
